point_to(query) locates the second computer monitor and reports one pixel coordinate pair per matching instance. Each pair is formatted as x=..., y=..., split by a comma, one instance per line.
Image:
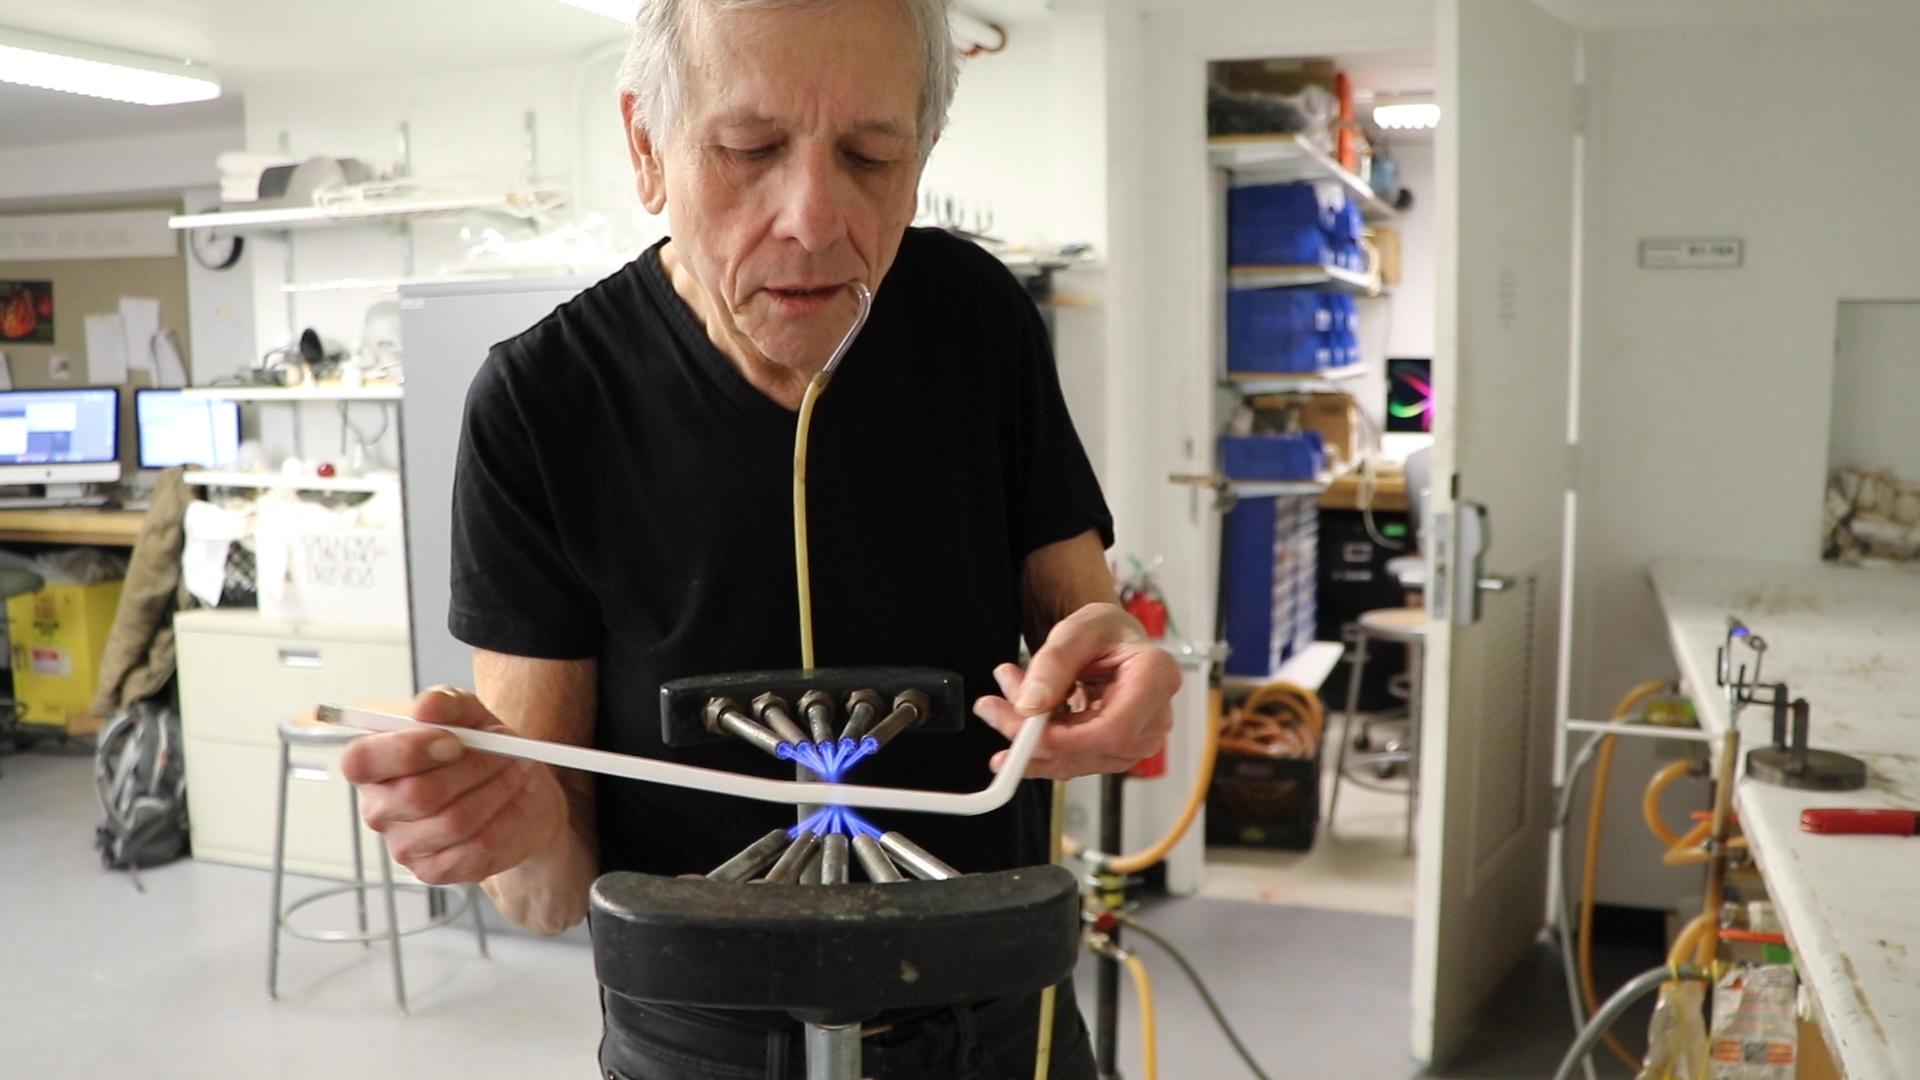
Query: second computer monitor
x=174, y=429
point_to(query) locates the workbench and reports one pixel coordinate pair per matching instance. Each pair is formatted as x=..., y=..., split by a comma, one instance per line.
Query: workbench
x=1847, y=640
x=1389, y=492
x=99, y=528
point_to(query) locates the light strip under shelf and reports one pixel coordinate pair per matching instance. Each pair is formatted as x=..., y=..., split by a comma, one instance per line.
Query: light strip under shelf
x=78, y=68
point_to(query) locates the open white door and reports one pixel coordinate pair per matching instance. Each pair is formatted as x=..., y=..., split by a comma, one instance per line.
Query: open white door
x=1506, y=198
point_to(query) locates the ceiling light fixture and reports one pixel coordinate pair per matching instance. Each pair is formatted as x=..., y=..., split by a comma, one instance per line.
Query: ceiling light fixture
x=1407, y=116
x=618, y=10
x=77, y=68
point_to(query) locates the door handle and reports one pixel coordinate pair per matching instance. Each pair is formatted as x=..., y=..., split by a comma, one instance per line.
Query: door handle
x=1498, y=583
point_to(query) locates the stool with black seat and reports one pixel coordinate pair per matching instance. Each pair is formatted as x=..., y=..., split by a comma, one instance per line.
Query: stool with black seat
x=1405, y=626
x=303, y=730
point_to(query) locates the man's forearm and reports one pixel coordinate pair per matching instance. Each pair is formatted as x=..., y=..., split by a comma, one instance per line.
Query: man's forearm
x=553, y=700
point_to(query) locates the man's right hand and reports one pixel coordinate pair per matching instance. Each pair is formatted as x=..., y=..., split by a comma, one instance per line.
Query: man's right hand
x=450, y=814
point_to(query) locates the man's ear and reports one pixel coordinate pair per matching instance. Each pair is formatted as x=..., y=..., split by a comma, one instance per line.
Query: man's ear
x=649, y=179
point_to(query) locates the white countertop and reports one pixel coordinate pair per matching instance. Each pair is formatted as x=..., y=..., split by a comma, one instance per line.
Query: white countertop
x=1847, y=640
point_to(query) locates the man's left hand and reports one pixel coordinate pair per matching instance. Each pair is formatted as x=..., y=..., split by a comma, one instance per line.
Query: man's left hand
x=1118, y=687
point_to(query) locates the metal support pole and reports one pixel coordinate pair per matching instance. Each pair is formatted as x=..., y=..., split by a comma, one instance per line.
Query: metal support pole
x=1106, y=1045
x=833, y=1053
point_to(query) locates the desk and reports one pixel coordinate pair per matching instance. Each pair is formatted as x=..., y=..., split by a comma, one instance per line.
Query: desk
x=1848, y=641
x=101, y=528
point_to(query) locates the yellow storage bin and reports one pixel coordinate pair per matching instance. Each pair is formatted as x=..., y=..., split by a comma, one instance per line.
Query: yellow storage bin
x=58, y=635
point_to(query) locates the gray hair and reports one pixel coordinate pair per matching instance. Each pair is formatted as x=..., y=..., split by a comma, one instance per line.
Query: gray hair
x=655, y=68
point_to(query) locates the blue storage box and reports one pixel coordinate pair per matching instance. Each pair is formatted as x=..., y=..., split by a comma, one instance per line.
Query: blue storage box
x=1270, y=548
x=1299, y=456
x=1277, y=330
x=1279, y=225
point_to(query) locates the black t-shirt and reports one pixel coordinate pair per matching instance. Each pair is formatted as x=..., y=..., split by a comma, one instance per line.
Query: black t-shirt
x=623, y=493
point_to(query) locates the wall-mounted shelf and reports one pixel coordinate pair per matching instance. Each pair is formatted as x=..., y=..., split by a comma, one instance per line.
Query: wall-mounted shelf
x=276, y=481
x=1252, y=489
x=1286, y=159
x=1325, y=278
x=297, y=394
x=523, y=204
x=1304, y=382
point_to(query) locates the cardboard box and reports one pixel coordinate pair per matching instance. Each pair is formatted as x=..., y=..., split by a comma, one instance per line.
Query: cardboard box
x=1386, y=243
x=1334, y=417
x=59, y=634
x=317, y=573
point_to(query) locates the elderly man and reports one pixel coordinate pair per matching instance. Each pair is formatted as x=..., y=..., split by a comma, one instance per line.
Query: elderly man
x=620, y=513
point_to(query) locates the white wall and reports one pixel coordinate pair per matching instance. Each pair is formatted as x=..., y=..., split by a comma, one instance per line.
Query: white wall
x=997, y=151
x=1706, y=394
x=1411, y=316
x=140, y=164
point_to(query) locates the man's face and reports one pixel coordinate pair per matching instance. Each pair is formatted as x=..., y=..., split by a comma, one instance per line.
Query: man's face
x=792, y=173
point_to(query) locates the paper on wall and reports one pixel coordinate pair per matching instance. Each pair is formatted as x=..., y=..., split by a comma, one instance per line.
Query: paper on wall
x=6, y=373
x=141, y=318
x=171, y=371
x=106, y=350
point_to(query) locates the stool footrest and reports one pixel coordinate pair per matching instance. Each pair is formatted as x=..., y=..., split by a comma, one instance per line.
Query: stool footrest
x=455, y=911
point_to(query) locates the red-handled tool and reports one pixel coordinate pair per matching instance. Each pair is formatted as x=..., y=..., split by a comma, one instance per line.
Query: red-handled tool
x=1861, y=822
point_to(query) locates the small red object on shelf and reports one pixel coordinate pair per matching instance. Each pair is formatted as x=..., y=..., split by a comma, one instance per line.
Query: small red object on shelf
x=1835, y=821
x=325, y=471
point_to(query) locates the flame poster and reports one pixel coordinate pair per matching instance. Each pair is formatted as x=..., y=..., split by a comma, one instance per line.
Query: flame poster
x=26, y=312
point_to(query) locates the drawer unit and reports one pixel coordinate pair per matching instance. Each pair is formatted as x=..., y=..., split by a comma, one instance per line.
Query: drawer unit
x=240, y=676
x=230, y=795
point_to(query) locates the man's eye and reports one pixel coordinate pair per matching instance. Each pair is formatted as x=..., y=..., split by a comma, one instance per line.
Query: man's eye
x=862, y=161
x=753, y=153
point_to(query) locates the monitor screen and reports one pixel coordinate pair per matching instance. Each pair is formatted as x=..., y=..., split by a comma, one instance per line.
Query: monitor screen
x=175, y=429
x=1410, y=395
x=60, y=427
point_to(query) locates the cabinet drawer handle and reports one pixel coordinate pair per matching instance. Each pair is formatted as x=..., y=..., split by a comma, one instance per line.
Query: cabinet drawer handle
x=299, y=658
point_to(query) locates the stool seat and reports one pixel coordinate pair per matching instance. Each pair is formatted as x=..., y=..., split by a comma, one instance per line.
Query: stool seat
x=1403, y=625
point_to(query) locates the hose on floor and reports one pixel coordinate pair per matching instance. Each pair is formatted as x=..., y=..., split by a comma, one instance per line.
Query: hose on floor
x=1206, y=995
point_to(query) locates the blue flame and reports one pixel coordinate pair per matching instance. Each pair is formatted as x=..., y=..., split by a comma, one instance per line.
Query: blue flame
x=831, y=820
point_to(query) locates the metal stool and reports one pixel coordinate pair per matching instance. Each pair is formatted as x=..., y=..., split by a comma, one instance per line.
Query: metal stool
x=1406, y=626
x=302, y=731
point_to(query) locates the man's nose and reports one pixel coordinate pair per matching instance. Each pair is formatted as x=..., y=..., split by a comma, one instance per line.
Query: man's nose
x=814, y=204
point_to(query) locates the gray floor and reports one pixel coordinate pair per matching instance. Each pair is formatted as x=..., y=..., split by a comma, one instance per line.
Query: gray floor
x=97, y=979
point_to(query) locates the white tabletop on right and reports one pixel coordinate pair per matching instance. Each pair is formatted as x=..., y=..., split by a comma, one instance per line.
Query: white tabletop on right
x=1847, y=640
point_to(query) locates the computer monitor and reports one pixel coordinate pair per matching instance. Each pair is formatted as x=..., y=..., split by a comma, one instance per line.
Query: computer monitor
x=60, y=438
x=1410, y=395
x=173, y=429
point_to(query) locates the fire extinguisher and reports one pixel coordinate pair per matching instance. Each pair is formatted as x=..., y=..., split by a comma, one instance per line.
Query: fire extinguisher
x=1141, y=598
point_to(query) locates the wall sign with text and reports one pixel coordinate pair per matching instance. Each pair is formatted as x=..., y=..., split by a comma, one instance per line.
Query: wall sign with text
x=1688, y=253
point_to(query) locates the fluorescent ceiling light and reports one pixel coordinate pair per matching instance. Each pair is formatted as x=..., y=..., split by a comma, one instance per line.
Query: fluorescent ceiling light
x=618, y=10
x=1407, y=117
x=77, y=68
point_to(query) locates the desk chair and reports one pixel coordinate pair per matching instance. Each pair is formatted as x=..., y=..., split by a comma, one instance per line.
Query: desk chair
x=1405, y=626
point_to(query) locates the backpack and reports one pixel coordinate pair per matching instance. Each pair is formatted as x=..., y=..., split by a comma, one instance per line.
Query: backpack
x=141, y=775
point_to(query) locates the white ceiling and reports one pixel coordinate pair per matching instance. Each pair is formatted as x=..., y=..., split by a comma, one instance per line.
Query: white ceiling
x=250, y=42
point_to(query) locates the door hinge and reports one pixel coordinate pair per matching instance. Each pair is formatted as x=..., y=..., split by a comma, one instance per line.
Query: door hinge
x=1576, y=466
